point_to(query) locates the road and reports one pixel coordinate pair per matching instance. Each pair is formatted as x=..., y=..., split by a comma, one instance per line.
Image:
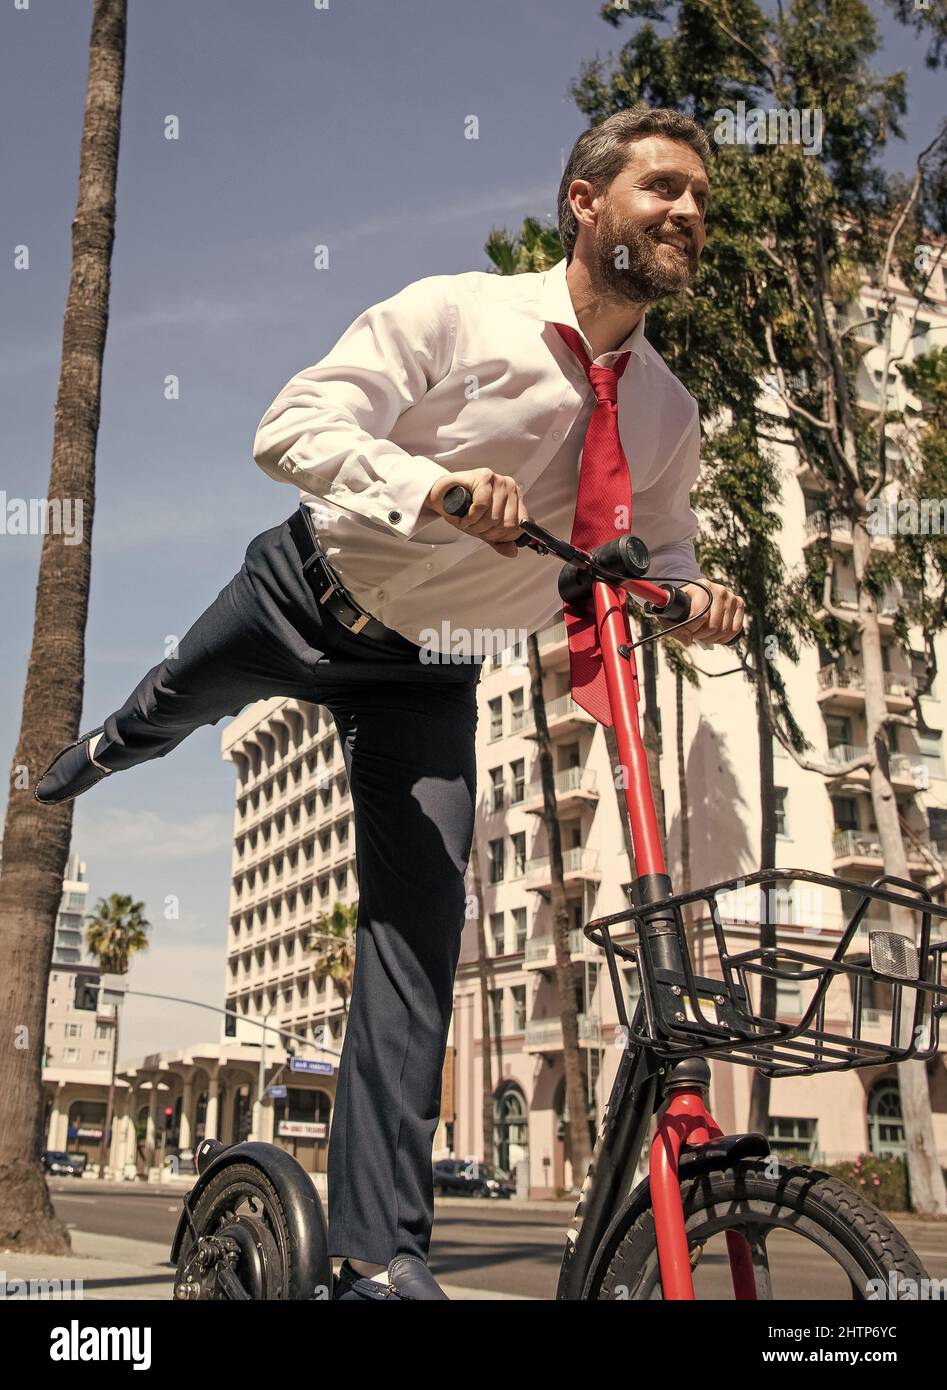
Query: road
x=493, y=1246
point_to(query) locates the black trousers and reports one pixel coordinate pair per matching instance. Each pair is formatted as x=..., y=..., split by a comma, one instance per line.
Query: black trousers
x=407, y=732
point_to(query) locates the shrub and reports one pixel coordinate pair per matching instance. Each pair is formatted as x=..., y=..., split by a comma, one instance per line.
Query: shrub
x=884, y=1181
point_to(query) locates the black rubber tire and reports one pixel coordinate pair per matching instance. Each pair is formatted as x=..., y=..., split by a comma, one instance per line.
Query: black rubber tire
x=231, y=1177
x=811, y=1203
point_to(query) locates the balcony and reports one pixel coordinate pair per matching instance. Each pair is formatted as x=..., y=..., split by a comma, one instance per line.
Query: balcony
x=541, y=950
x=824, y=525
x=554, y=647
x=563, y=717
x=575, y=788
x=578, y=864
x=845, y=596
x=545, y=1034
x=900, y=766
x=861, y=849
x=843, y=687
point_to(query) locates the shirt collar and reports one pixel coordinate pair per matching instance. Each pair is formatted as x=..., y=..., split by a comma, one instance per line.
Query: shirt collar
x=555, y=306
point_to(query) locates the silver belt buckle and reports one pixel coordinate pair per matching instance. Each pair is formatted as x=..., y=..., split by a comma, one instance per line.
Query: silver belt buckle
x=334, y=587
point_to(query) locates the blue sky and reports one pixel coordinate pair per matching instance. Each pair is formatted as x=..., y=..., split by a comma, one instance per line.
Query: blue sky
x=298, y=127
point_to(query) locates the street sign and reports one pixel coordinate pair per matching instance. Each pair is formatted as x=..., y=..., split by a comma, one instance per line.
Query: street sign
x=309, y=1064
x=300, y=1129
x=276, y=1092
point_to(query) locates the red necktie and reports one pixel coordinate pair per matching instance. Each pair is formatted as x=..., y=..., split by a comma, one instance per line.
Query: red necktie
x=604, y=487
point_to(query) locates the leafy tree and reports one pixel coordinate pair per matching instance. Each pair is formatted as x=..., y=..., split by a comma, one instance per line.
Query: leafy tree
x=333, y=944
x=116, y=931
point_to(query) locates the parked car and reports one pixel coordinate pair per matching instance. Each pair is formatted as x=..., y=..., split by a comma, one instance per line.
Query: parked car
x=460, y=1177
x=64, y=1164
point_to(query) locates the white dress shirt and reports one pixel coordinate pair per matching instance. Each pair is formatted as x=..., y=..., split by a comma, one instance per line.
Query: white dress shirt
x=466, y=371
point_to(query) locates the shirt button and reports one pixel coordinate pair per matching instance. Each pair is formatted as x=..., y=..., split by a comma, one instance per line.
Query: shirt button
x=557, y=434
x=394, y=516
x=381, y=594
x=428, y=565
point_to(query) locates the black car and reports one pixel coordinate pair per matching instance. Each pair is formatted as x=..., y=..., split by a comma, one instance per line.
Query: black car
x=63, y=1164
x=459, y=1177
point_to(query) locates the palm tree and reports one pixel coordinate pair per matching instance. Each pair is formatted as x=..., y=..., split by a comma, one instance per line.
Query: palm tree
x=485, y=976
x=577, y=1102
x=116, y=931
x=36, y=838
x=333, y=943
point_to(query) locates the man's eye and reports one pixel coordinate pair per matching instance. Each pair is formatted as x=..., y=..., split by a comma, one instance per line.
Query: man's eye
x=660, y=184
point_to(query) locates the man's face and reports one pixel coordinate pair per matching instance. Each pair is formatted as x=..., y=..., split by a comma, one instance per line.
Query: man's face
x=656, y=207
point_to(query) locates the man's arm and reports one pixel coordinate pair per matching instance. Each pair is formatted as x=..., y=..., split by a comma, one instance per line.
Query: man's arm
x=325, y=432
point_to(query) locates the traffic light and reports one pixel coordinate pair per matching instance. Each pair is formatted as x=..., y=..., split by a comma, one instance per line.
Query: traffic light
x=167, y=1115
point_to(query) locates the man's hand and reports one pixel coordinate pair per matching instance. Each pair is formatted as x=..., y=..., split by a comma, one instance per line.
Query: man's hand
x=722, y=621
x=495, y=512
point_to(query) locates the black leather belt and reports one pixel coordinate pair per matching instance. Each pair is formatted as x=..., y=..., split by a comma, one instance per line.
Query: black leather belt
x=326, y=584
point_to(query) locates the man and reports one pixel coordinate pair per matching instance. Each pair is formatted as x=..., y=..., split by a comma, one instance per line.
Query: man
x=494, y=383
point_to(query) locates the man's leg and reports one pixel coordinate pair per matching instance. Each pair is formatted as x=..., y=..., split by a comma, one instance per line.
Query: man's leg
x=262, y=636
x=410, y=756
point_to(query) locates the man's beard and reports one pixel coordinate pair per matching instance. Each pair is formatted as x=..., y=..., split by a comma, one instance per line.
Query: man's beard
x=630, y=267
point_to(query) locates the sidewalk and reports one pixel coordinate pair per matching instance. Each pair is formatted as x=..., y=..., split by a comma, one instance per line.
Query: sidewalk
x=117, y=1267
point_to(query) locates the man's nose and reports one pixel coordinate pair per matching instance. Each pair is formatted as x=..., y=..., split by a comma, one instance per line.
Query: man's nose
x=686, y=209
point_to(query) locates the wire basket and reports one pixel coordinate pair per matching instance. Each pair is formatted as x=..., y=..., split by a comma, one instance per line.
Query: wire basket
x=806, y=974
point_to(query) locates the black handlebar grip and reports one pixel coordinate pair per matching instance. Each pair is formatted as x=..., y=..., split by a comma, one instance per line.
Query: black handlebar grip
x=458, y=500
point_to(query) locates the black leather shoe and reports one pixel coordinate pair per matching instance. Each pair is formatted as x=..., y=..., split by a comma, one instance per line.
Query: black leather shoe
x=70, y=773
x=409, y=1280
x=412, y=1279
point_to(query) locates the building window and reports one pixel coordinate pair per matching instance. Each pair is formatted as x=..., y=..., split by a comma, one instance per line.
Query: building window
x=496, y=788
x=518, y=781
x=779, y=795
x=519, y=1008
x=793, y=1137
x=846, y=812
x=885, y=1119
x=838, y=730
x=496, y=719
x=495, y=945
x=930, y=747
x=519, y=928
x=517, y=712
x=496, y=1012
x=497, y=860
x=519, y=854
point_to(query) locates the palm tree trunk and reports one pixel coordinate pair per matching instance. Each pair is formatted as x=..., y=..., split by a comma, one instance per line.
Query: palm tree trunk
x=36, y=838
x=580, y=1146
x=928, y=1194
x=684, y=812
x=484, y=974
x=758, y=1121
x=651, y=729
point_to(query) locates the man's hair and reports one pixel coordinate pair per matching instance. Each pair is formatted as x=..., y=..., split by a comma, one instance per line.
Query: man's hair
x=601, y=153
